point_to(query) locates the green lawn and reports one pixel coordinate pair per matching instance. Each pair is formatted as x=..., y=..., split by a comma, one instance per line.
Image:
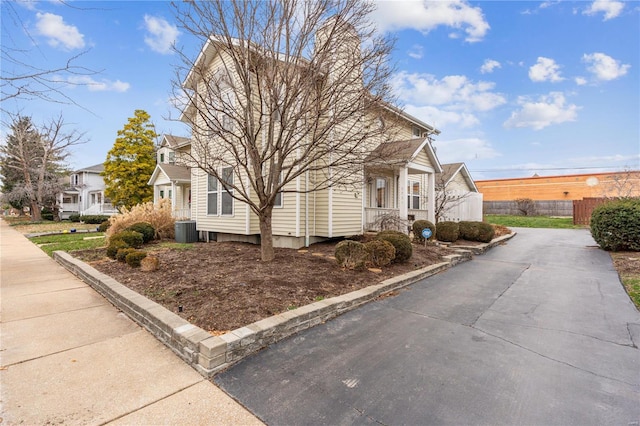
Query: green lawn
x=69, y=242
x=531, y=221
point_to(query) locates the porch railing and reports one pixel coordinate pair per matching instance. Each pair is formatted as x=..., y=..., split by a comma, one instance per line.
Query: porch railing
x=182, y=214
x=378, y=219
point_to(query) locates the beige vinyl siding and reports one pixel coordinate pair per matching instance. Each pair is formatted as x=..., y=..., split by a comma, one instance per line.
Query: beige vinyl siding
x=347, y=213
x=423, y=159
x=227, y=224
x=284, y=218
x=458, y=183
x=320, y=201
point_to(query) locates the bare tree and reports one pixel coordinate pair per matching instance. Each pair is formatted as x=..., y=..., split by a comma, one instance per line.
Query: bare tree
x=625, y=184
x=445, y=198
x=20, y=78
x=283, y=89
x=37, y=156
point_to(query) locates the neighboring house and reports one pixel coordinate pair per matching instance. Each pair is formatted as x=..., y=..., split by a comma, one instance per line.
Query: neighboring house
x=567, y=187
x=171, y=178
x=457, y=197
x=397, y=181
x=84, y=194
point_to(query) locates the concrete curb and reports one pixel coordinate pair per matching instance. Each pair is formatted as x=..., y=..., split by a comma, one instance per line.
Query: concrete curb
x=482, y=248
x=210, y=354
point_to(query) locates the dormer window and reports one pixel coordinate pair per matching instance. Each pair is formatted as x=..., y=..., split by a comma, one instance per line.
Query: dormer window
x=162, y=157
x=172, y=157
x=417, y=132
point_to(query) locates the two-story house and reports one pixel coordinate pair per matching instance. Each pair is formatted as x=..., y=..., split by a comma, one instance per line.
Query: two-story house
x=84, y=194
x=171, y=178
x=397, y=179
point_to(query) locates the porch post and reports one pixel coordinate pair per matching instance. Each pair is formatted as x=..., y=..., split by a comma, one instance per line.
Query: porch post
x=173, y=196
x=431, y=197
x=403, y=209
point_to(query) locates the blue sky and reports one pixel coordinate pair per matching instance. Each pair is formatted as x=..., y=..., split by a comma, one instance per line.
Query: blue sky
x=516, y=87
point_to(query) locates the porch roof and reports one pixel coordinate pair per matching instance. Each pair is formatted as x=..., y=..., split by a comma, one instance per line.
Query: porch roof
x=449, y=171
x=403, y=152
x=178, y=174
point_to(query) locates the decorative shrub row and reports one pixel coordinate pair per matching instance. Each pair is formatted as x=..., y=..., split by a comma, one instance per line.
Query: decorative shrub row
x=447, y=231
x=616, y=225
x=95, y=219
x=452, y=231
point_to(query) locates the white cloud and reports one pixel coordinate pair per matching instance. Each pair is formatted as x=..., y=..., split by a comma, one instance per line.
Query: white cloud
x=604, y=67
x=99, y=86
x=427, y=15
x=580, y=81
x=466, y=149
x=455, y=91
x=161, y=35
x=547, y=110
x=545, y=69
x=489, y=65
x=439, y=118
x=59, y=33
x=610, y=8
x=416, y=51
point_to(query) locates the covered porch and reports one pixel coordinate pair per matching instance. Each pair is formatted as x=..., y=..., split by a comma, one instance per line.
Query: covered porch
x=400, y=185
x=173, y=183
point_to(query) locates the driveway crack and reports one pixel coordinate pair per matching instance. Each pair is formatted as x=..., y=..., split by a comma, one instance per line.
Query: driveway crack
x=500, y=295
x=554, y=359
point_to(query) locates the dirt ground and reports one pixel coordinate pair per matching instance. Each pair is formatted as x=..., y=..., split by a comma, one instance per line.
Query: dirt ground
x=223, y=286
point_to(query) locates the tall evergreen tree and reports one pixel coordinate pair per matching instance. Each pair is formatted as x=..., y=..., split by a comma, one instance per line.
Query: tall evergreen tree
x=130, y=162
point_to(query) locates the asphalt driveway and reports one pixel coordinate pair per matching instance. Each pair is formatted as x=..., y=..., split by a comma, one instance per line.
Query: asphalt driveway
x=538, y=331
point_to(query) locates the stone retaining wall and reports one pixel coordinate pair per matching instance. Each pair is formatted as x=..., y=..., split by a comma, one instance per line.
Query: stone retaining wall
x=209, y=354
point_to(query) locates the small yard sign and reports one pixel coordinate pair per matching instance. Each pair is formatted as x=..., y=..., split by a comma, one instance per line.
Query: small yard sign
x=426, y=233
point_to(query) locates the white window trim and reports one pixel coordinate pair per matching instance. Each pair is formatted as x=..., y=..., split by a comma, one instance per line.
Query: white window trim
x=216, y=191
x=281, y=193
x=411, y=195
x=230, y=192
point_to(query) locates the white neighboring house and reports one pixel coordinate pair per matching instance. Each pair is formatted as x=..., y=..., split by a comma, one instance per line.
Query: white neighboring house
x=85, y=194
x=457, y=196
x=171, y=178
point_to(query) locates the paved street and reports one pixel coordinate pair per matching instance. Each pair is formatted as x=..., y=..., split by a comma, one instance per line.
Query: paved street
x=537, y=331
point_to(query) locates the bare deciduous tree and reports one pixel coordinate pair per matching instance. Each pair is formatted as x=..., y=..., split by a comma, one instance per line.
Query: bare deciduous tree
x=37, y=156
x=283, y=89
x=625, y=184
x=20, y=78
x=445, y=198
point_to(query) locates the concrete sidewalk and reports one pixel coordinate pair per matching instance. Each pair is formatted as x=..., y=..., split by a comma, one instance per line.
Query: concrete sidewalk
x=70, y=357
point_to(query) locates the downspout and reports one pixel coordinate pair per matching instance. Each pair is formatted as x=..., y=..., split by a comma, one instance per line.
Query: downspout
x=306, y=209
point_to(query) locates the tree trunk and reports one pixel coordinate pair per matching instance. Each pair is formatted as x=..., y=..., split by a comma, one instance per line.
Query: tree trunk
x=266, y=235
x=36, y=214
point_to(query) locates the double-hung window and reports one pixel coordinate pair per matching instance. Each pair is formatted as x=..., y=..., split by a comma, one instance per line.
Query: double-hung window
x=413, y=194
x=212, y=195
x=226, y=194
x=278, y=200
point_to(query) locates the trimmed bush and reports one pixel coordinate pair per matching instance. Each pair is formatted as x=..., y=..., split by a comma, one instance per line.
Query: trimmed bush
x=131, y=238
x=122, y=253
x=381, y=252
x=447, y=231
x=419, y=226
x=469, y=230
x=134, y=258
x=114, y=246
x=351, y=254
x=74, y=217
x=103, y=226
x=486, y=232
x=616, y=225
x=94, y=219
x=401, y=242
x=146, y=229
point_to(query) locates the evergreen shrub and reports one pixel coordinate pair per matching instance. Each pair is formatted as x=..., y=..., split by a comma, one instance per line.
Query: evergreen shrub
x=616, y=225
x=419, y=226
x=401, y=242
x=134, y=258
x=447, y=231
x=381, y=252
x=351, y=254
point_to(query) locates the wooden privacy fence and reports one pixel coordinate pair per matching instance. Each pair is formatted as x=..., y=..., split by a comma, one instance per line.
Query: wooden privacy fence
x=582, y=209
